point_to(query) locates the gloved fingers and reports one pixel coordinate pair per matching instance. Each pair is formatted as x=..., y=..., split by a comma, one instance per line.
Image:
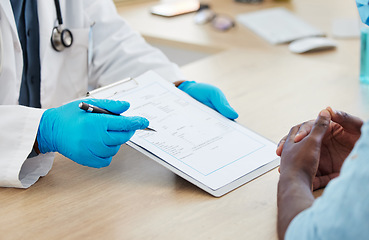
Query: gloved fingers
x=199, y=91
x=209, y=104
x=122, y=123
x=221, y=104
x=184, y=86
x=111, y=105
x=89, y=159
x=209, y=95
x=117, y=137
x=103, y=151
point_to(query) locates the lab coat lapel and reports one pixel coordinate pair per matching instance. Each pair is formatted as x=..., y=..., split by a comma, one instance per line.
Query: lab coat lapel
x=8, y=11
x=47, y=21
x=14, y=47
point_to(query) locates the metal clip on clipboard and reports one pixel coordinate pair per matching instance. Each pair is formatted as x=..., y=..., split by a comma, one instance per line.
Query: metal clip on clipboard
x=111, y=91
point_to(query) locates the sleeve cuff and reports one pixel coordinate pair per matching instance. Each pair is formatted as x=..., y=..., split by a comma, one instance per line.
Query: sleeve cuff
x=19, y=128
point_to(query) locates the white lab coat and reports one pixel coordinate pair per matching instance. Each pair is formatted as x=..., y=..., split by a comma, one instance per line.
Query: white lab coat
x=105, y=49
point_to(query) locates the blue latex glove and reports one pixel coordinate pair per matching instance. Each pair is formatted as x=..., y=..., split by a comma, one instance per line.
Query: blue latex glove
x=209, y=95
x=90, y=139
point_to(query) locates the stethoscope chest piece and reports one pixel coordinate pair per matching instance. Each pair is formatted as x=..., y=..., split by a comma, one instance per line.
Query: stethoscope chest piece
x=61, y=38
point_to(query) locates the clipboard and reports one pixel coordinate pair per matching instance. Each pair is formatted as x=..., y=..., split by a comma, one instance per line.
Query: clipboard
x=112, y=89
x=192, y=140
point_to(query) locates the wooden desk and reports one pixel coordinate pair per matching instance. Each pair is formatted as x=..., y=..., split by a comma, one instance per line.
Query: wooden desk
x=181, y=31
x=136, y=198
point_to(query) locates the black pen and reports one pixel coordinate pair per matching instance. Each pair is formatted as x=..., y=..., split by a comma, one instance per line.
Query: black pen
x=93, y=109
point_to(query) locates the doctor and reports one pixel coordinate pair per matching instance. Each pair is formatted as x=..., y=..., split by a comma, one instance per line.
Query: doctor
x=52, y=52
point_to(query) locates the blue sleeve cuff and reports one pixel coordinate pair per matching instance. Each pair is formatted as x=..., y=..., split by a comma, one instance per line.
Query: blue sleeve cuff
x=302, y=227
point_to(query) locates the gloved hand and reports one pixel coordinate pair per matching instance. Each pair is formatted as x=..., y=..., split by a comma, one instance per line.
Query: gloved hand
x=90, y=139
x=209, y=95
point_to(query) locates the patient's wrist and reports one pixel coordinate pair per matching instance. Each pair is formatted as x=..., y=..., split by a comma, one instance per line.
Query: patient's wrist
x=298, y=176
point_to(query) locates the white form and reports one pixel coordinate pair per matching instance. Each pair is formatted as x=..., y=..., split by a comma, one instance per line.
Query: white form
x=190, y=136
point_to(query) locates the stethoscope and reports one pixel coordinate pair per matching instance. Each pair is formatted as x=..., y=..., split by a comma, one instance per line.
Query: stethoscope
x=61, y=38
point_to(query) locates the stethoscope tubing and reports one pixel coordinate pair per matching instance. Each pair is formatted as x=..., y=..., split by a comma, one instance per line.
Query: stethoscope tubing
x=58, y=12
x=60, y=21
x=61, y=38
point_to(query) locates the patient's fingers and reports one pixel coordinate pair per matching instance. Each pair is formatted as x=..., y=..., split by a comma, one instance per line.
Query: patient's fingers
x=280, y=145
x=283, y=140
x=348, y=122
x=304, y=130
x=322, y=181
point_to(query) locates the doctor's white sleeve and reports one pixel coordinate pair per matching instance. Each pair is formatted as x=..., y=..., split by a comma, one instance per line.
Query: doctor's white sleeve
x=118, y=51
x=19, y=127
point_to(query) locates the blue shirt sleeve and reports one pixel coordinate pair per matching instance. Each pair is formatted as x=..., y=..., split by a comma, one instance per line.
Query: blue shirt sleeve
x=342, y=212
